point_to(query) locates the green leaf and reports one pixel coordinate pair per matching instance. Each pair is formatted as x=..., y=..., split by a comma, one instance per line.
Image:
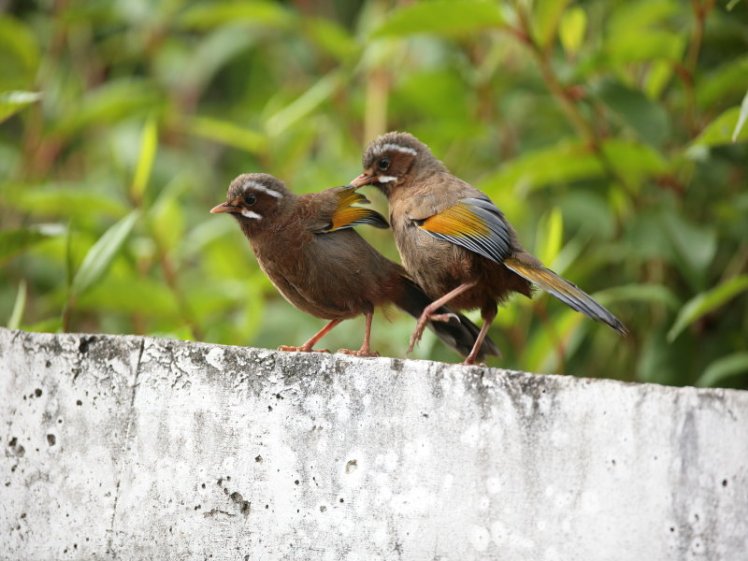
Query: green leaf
x=148, y=146
x=634, y=109
x=19, y=54
x=550, y=236
x=13, y=242
x=63, y=199
x=217, y=14
x=332, y=38
x=229, y=134
x=100, y=256
x=546, y=15
x=108, y=104
x=694, y=244
x=572, y=29
x=723, y=368
x=722, y=86
x=720, y=131
x=12, y=102
x=18, y=307
x=134, y=295
x=741, y=119
x=633, y=160
x=304, y=104
x=648, y=293
x=441, y=17
x=707, y=302
x=563, y=163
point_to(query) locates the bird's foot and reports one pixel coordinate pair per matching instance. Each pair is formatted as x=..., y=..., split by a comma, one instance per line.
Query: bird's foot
x=362, y=352
x=301, y=349
x=420, y=327
x=446, y=318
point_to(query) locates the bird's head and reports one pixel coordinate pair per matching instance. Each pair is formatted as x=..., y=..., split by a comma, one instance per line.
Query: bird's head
x=393, y=158
x=254, y=199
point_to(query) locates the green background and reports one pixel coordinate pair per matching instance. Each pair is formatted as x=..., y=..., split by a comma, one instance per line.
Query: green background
x=609, y=132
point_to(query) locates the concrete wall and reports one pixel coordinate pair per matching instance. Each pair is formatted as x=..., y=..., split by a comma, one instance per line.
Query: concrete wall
x=140, y=448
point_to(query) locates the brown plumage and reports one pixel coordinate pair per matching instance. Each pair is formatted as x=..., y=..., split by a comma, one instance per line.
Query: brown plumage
x=306, y=247
x=454, y=242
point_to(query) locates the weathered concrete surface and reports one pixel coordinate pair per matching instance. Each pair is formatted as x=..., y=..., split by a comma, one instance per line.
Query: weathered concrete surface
x=139, y=448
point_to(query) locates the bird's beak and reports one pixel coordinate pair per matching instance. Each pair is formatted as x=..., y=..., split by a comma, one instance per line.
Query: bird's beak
x=223, y=207
x=364, y=179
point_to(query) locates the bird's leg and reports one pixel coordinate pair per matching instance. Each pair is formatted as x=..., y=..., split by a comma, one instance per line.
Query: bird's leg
x=365, y=349
x=308, y=347
x=487, y=313
x=428, y=312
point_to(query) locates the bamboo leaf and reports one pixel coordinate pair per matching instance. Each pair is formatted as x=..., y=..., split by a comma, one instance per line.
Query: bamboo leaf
x=741, y=118
x=148, y=147
x=707, y=302
x=228, y=134
x=12, y=102
x=441, y=17
x=100, y=256
x=572, y=29
x=13, y=242
x=723, y=368
x=18, y=307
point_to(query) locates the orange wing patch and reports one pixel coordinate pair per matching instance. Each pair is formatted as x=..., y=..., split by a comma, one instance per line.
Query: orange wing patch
x=458, y=220
x=346, y=215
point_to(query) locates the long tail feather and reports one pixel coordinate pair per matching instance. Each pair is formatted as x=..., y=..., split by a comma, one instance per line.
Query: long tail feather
x=459, y=333
x=567, y=292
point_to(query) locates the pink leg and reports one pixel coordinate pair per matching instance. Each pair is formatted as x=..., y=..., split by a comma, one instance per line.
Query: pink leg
x=365, y=349
x=428, y=312
x=309, y=345
x=487, y=316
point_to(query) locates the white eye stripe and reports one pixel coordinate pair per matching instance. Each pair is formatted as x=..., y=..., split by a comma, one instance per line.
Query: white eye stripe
x=262, y=189
x=395, y=147
x=251, y=214
x=386, y=178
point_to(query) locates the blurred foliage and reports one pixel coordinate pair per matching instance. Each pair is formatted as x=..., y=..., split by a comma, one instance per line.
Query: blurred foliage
x=610, y=132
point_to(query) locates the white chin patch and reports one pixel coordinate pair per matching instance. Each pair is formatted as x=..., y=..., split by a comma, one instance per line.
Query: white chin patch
x=386, y=179
x=249, y=214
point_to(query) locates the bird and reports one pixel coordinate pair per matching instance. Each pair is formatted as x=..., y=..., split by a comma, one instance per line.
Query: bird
x=454, y=241
x=306, y=246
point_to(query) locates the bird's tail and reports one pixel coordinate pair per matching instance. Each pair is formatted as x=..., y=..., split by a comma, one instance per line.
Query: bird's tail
x=531, y=269
x=458, y=333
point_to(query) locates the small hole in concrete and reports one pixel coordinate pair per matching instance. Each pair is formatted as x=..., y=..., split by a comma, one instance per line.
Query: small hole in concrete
x=341, y=500
x=296, y=482
x=51, y=439
x=78, y=402
x=724, y=483
x=672, y=529
x=258, y=458
x=47, y=364
x=203, y=485
x=12, y=442
x=38, y=392
x=322, y=508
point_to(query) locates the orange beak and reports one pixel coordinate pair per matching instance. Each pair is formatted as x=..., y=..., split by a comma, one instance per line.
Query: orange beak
x=223, y=207
x=364, y=179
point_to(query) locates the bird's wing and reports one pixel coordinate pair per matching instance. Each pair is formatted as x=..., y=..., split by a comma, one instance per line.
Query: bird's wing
x=341, y=214
x=473, y=223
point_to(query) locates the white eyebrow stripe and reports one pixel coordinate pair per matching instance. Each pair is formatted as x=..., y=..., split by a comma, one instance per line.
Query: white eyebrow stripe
x=397, y=148
x=386, y=178
x=251, y=214
x=262, y=189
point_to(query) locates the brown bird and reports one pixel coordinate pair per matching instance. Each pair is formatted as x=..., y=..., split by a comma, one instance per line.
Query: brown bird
x=306, y=246
x=454, y=242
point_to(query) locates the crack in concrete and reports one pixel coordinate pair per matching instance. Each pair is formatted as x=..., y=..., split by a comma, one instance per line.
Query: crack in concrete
x=128, y=428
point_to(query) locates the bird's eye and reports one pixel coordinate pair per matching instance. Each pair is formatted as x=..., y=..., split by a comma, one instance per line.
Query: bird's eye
x=383, y=164
x=249, y=200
